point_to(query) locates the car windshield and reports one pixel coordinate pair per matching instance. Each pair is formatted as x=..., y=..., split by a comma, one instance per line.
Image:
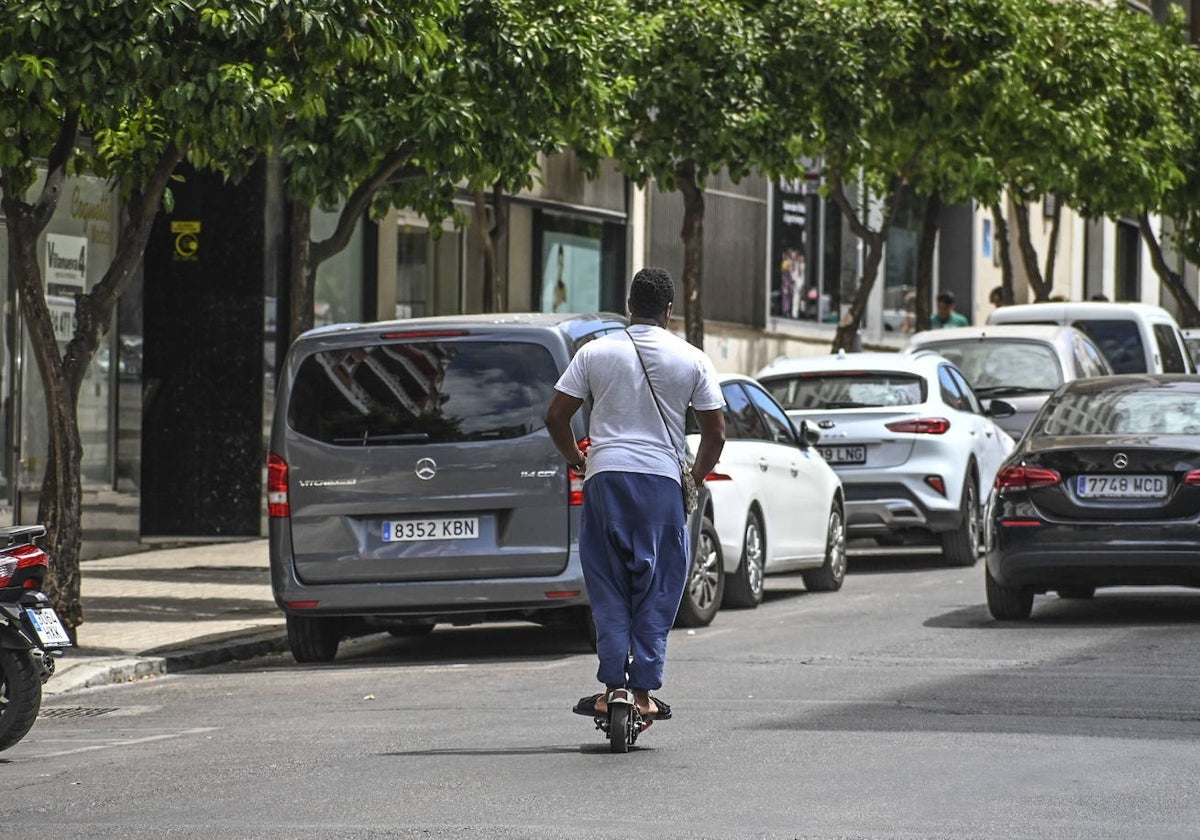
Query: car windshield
x=1121, y=411
x=422, y=392
x=1001, y=364
x=846, y=389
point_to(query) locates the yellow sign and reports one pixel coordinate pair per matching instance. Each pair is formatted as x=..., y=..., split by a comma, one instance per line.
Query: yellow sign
x=187, y=240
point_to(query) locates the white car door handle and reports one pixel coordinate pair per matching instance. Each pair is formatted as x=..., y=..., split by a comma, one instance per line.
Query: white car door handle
x=762, y=464
x=795, y=471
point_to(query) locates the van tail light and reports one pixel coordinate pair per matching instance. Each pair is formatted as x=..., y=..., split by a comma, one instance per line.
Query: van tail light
x=277, y=487
x=921, y=426
x=24, y=565
x=716, y=476
x=1022, y=478
x=575, y=491
x=1192, y=478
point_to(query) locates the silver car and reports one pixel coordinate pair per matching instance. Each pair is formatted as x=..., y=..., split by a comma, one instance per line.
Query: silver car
x=411, y=480
x=1022, y=363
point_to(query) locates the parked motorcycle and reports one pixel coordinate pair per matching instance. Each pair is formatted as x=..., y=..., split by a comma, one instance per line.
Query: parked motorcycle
x=31, y=634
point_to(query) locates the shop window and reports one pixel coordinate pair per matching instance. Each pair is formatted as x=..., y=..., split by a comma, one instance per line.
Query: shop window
x=428, y=273
x=579, y=266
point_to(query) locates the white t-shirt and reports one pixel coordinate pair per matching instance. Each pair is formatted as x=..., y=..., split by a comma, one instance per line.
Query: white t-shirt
x=626, y=430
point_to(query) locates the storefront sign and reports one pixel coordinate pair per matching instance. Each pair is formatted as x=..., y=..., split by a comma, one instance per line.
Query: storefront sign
x=66, y=277
x=66, y=265
x=187, y=241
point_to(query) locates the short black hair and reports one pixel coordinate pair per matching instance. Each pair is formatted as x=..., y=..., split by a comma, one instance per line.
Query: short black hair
x=650, y=292
x=946, y=297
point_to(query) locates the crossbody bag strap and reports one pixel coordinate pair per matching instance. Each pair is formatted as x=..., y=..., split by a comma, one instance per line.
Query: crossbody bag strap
x=662, y=415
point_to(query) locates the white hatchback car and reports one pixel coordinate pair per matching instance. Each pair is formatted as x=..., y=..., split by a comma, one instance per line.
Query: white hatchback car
x=916, y=451
x=777, y=504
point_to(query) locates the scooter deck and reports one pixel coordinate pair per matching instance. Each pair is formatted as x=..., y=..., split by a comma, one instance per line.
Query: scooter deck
x=594, y=714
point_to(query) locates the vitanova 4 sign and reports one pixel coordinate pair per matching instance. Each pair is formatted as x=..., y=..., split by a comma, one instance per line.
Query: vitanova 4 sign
x=66, y=277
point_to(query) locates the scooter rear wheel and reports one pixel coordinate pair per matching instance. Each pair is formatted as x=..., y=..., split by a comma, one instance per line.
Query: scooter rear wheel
x=20, y=695
x=620, y=719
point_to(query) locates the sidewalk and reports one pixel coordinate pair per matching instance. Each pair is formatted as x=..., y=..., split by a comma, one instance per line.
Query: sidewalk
x=167, y=610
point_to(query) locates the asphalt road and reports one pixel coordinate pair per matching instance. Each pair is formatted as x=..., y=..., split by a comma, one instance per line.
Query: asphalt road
x=895, y=708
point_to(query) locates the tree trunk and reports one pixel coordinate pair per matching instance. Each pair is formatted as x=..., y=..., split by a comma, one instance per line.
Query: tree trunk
x=846, y=337
x=499, y=226
x=60, y=504
x=301, y=270
x=1189, y=312
x=1052, y=245
x=483, y=234
x=495, y=290
x=1029, y=257
x=692, y=234
x=61, y=500
x=1006, y=266
x=925, y=248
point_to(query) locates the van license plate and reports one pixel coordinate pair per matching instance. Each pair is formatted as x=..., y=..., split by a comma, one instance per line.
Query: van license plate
x=1122, y=486
x=416, y=530
x=49, y=629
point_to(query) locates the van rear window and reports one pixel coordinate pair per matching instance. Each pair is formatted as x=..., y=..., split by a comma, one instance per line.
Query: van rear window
x=422, y=392
x=1119, y=340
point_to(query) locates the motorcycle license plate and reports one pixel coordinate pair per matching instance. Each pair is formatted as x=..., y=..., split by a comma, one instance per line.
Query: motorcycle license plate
x=49, y=629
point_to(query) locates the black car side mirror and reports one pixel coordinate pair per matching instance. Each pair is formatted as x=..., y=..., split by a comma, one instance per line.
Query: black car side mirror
x=808, y=435
x=1000, y=408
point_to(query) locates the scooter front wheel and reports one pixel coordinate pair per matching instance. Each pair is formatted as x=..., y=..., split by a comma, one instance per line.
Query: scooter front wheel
x=620, y=721
x=20, y=695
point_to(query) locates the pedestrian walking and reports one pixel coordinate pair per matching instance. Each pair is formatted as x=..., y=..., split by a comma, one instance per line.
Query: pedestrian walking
x=633, y=542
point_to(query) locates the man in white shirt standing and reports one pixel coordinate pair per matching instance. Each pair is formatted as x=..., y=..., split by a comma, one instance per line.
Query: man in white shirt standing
x=634, y=543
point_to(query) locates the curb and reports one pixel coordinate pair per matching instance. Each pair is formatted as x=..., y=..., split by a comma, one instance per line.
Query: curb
x=93, y=672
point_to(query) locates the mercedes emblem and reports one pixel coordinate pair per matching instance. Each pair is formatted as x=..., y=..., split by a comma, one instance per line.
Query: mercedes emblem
x=426, y=469
x=1120, y=460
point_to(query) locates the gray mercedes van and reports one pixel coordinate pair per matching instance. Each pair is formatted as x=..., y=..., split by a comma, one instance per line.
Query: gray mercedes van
x=411, y=480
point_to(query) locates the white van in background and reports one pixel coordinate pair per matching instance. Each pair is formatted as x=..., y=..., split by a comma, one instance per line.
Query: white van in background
x=1135, y=337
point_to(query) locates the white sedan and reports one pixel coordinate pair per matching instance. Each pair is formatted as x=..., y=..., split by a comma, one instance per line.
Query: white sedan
x=916, y=451
x=776, y=506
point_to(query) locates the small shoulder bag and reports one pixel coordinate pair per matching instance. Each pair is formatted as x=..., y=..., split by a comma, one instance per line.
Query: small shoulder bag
x=691, y=494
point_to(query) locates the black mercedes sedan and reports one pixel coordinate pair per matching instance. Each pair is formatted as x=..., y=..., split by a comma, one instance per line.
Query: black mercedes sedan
x=1103, y=490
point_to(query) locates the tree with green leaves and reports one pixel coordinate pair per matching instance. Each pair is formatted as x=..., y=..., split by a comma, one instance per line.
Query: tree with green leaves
x=125, y=90
x=1090, y=121
x=894, y=97
x=695, y=108
x=838, y=73
x=1178, y=205
x=469, y=102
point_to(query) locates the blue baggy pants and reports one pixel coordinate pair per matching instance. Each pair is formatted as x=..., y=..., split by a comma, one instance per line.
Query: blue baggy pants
x=635, y=554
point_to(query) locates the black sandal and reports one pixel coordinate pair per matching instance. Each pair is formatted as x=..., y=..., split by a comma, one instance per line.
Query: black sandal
x=663, y=713
x=587, y=705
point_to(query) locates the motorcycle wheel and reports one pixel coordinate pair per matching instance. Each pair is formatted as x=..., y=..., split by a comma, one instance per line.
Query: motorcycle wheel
x=20, y=695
